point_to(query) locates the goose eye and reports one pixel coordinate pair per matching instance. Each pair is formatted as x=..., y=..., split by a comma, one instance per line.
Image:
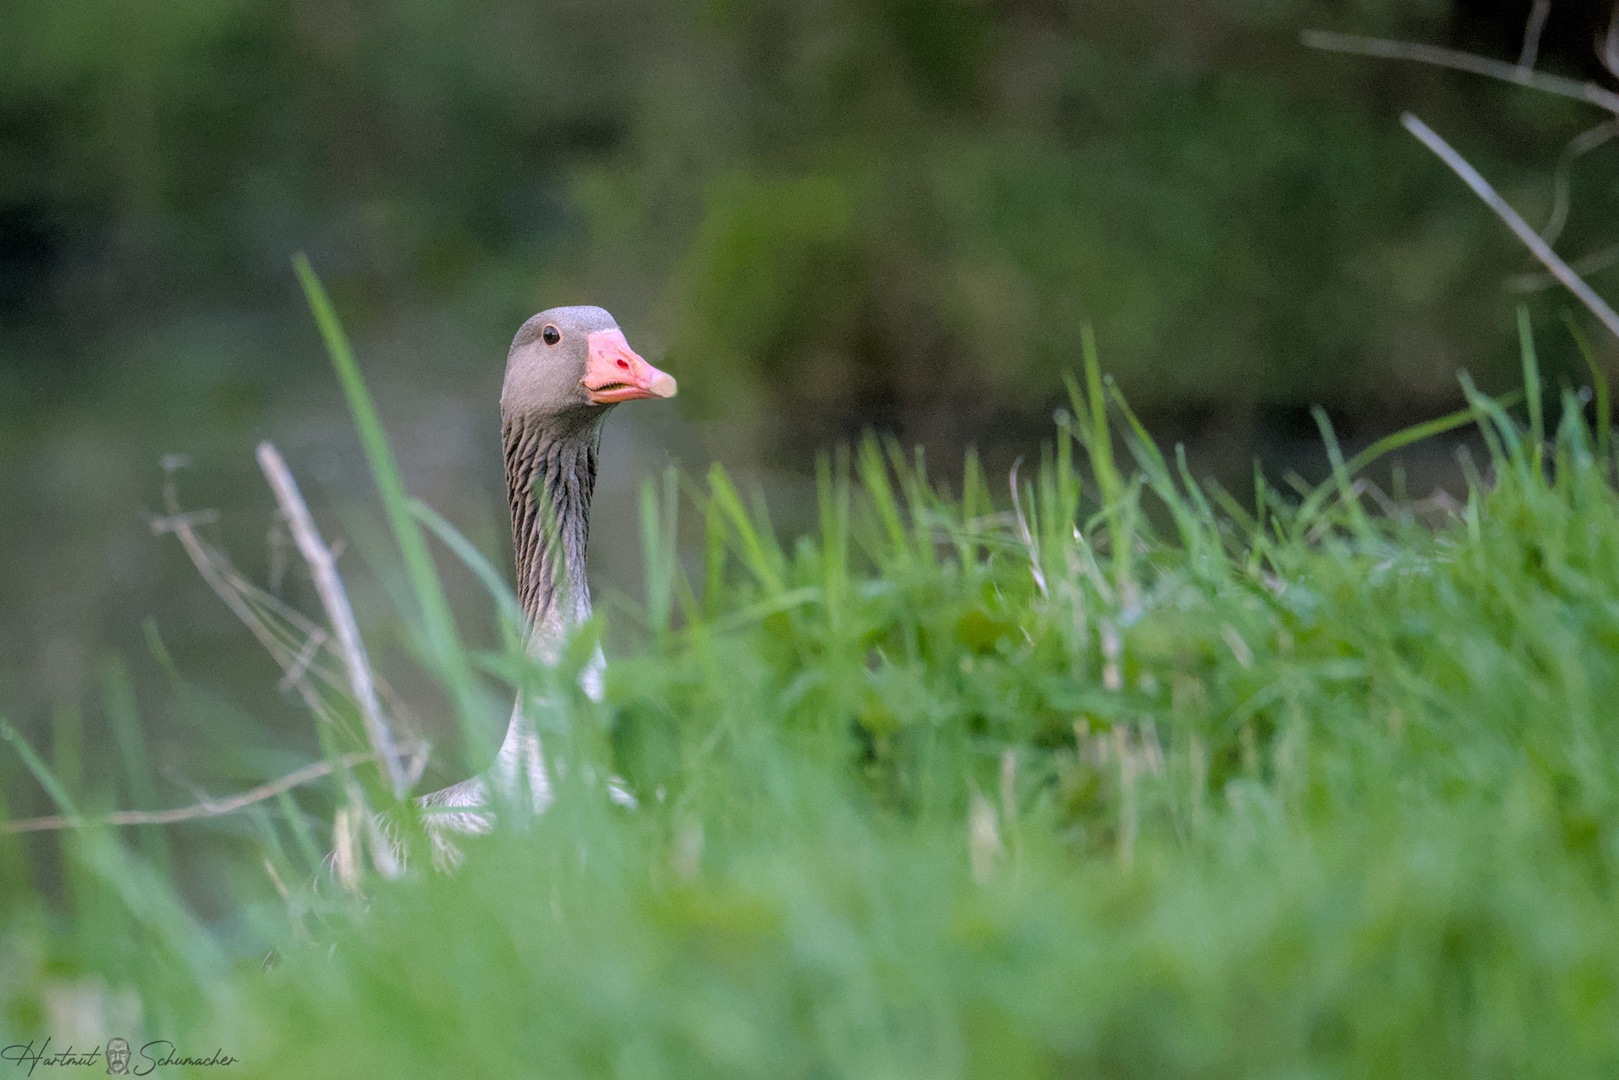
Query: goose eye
x=551, y=335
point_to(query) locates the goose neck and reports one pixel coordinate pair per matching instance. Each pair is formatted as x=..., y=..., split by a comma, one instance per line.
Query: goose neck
x=550, y=477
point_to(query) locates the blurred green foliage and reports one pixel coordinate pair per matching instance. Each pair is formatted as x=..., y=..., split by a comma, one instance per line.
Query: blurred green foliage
x=1296, y=790
x=896, y=213
x=820, y=215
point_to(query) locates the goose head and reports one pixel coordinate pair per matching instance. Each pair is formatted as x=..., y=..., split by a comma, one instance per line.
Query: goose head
x=569, y=365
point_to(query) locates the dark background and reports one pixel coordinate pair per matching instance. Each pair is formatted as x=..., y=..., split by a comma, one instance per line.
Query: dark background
x=821, y=216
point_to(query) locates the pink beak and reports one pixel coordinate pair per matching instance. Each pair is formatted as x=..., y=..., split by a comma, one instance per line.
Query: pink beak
x=614, y=373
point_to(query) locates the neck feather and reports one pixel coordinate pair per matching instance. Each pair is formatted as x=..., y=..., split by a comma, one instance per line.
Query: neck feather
x=549, y=481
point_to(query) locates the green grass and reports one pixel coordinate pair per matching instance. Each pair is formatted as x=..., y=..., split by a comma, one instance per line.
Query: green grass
x=1114, y=786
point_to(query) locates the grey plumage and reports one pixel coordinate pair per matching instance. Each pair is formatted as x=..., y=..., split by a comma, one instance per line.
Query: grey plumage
x=549, y=482
x=554, y=399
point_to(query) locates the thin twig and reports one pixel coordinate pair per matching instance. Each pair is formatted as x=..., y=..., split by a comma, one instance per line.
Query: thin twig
x=219, y=576
x=1462, y=61
x=205, y=808
x=1608, y=46
x=1542, y=251
x=305, y=657
x=1531, y=281
x=1531, y=33
x=265, y=616
x=1581, y=144
x=284, y=631
x=333, y=597
x=181, y=525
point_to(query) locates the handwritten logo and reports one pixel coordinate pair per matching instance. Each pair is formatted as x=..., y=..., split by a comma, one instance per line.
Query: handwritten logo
x=121, y=1061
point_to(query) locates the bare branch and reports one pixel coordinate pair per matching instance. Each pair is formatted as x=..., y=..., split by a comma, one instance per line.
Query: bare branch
x=1587, y=264
x=1581, y=144
x=1542, y=251
x=228, y=585
x=204, y=808
x=182, y=526
x=296, y=643
x=1608, y=44
x=335, y=600
x=305, y=657
x=1531, y=33
x=1462, y=61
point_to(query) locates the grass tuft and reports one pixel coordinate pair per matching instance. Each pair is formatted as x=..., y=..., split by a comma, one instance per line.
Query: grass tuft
x=957, y=787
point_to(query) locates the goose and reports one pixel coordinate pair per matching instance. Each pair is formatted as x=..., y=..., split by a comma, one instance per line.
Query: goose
x=567, y=368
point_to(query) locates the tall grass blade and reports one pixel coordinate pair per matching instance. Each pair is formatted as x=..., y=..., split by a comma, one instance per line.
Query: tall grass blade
x=1501, y=433
x=512, y=620
x=294, y=817
x=659, y=547
x=1399, y=439
x=911, y=473
x=759, y=552
x=14, y=865
x=1101, y=441
x=833, y=495
x=36, y=766
x=1599, y=387
x=1340, y=474
x=67, y=744
x=1531, y=387
x=118, y=700
x=714, y=551
x=443, y=642
x=874, y=478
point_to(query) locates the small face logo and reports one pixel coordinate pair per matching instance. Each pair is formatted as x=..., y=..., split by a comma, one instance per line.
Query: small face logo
x=117, y=1057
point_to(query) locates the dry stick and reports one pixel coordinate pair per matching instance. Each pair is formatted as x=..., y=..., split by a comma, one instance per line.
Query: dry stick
x=1542, y=251
x=242, y=598
x=204, y=809
x=1581, y=144
x=1462, y=61
x=1529, y=281
x=259, y=611
x=202, y=557
x=1608, y=48
x=1531, y=33
x=323, y=568
x=299, y=632
x=225, y=579
x=181, y=525
x=305, y=657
